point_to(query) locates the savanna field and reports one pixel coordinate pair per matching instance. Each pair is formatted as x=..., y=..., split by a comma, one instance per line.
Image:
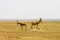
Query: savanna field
x=45, y=31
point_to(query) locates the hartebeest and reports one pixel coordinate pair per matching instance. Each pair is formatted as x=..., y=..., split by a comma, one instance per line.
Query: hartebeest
x=22, y=24
x=35, y=23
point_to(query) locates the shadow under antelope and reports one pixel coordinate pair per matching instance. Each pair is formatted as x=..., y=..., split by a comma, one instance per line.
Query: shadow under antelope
x=35, y=23
x=22, y=24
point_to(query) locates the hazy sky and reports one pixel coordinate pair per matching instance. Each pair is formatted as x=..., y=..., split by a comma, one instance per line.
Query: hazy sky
x=29, y=9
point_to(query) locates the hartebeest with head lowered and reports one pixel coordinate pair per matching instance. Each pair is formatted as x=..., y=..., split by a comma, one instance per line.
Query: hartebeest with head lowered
x=22, y=24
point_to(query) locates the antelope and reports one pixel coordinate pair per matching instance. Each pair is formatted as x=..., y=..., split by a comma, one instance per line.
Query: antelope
x=35, y=23
x=22, y=24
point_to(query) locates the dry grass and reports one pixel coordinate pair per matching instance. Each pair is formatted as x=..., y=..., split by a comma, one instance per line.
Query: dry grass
x=46, y=31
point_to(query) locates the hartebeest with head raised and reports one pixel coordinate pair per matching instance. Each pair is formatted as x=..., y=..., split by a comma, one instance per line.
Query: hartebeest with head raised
x=36, y=23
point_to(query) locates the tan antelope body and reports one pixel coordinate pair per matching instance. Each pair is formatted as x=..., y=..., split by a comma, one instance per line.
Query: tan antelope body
x=22, y=24
x=35, y=23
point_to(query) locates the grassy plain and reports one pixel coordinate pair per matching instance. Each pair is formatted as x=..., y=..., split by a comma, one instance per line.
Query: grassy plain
x=47, y=31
